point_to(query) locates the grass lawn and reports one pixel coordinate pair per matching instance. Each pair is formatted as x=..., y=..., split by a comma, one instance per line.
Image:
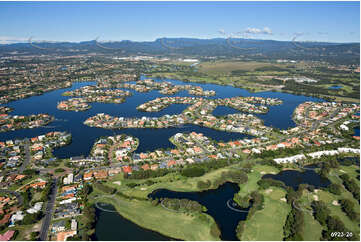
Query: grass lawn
x=176, y=225
x=267, y=224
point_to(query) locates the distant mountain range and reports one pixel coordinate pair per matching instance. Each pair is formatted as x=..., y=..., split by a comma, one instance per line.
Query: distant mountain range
x=340, y=53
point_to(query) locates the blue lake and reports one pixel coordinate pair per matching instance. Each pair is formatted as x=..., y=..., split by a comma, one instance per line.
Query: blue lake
x=335, y=87
x=150, y=139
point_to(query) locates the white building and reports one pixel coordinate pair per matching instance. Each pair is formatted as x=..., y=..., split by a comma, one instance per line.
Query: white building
x=290, y=159
x=18, y=216
x=318, y=154
x=69, y=179
x=37, y=207
x=344, y=127
x=74, y=225
x=348, y=150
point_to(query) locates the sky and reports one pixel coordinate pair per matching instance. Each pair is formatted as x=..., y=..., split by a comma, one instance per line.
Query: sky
x=147, y=21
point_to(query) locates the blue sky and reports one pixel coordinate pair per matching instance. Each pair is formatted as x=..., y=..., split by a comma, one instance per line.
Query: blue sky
x=139, y=21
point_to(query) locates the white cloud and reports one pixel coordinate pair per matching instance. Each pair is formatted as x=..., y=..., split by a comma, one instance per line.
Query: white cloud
x=265, y=30
x=222, y=32
x=11, y=40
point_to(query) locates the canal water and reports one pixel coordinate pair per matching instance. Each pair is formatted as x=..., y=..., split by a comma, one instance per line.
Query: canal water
x=215, y=201
x=113, y=227
x=84, y=136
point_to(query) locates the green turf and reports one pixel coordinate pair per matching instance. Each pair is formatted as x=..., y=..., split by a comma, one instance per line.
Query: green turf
x=267, y=224
x=312, y=229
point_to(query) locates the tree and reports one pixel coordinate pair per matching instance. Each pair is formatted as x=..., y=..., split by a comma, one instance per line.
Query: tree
x=293, y=227
x=347, y=207
x=321, y=211
x=193, y=172
x=265, y=183
x=32, y=218
x=34, y=236
x=335, y=189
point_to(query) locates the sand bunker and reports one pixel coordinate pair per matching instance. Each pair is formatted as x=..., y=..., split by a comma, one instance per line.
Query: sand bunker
x=335, y=202
x=268, y=191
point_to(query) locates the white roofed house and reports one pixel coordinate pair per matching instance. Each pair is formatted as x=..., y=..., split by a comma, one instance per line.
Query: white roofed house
x=256, y=151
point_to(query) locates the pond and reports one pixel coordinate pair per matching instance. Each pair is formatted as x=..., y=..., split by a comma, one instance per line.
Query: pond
x=294, y=178
x=111, y=226
x=219, y=205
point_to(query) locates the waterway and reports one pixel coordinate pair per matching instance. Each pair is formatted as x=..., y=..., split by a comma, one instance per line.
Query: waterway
x=84, y=136
x=215, y=201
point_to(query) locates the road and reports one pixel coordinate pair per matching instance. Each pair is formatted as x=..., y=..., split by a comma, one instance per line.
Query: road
x=27, y=157
x=49, y=211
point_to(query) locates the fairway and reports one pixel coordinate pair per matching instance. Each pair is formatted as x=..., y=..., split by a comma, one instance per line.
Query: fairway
x=267, y=224
x=312, y=229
